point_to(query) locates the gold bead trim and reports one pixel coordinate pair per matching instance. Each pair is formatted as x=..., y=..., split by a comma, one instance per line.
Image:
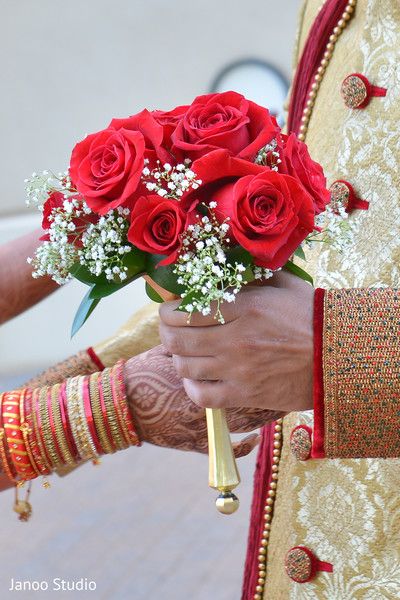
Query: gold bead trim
x=330, y=47
x=268, y=511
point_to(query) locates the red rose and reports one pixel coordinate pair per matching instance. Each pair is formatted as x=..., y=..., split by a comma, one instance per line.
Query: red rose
x=296, y=161
x=169, y=121
x=152, y=131
x=55, y=200
x=227, y=121
x=156, y=226
x=270, y=215
x=106, y=167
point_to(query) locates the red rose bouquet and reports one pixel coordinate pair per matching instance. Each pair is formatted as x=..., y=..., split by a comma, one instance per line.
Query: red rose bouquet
x=201, y=199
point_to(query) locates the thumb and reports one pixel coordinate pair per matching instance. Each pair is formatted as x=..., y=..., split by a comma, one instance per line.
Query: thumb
x=246, y=445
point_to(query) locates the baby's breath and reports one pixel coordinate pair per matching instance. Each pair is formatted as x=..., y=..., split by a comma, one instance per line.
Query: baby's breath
x=76, y=235
x=170, y=182
x=336, y=229
x=40, y=185
x=268, y=156
x=105, y=245
x=203, y=268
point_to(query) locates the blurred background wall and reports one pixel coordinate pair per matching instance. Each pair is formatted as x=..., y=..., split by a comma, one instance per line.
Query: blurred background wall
x=66, y=69
x=142, y=525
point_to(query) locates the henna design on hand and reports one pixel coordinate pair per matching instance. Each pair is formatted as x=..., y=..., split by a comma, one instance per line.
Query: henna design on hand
x=164, y=414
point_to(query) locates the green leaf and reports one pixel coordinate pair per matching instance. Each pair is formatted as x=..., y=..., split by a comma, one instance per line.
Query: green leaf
x=152, y=294
x=239, y=255
x=300, y=253
x=101, y=290
x=82, y=273
x=84, y=311
x=163, y=275
x=134, y=261
x=298, y=271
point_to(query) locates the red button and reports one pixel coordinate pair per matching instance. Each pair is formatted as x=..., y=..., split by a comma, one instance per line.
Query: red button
x=357, y=91
x=300, y=442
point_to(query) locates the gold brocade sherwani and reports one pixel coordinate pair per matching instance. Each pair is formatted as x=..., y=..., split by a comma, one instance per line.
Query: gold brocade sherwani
x=348, y=511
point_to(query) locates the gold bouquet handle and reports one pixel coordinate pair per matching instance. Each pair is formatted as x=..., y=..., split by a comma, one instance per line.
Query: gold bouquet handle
x=223, y=474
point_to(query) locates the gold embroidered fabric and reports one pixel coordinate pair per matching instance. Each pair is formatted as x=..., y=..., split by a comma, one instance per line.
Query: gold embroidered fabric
x=347, y=511
x=137, y=335
x=361, y=373
x=79, y=364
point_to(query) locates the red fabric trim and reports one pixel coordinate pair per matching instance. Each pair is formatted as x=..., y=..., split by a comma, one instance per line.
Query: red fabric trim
x=95, y=359
x=262, y=480
x=312, y=55
x=317, y=450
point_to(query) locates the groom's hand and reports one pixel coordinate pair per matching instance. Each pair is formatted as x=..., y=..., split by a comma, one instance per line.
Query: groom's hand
x=262, y=356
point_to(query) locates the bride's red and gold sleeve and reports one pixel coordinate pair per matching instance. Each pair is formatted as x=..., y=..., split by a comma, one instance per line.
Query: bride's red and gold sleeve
x=356, y=373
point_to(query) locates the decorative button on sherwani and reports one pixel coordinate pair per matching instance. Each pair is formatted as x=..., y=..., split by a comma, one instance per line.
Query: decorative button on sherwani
x=344, y=196
x=300, y=442
x=357, y=91
x=302, y=565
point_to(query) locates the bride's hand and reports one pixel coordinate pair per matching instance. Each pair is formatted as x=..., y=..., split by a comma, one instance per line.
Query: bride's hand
x=165, y=416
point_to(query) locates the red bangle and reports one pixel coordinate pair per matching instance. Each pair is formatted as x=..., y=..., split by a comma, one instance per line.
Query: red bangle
x=7, y=463
x=15, y=440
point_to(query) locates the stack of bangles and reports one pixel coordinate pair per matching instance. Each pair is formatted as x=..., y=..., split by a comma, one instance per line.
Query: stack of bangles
x=45, y=429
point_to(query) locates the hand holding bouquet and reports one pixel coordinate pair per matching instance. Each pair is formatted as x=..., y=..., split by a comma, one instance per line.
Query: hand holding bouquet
x=200, y=200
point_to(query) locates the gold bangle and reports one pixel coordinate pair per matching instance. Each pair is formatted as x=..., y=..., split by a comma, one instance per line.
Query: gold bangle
x=111, y=414
x=46, y=428
x=121, y=420
x=76, y=413
x=86, y=435
x=60, y=434
x=98, y=414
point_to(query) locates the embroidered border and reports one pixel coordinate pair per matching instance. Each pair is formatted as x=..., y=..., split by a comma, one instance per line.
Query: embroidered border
x=361, y=373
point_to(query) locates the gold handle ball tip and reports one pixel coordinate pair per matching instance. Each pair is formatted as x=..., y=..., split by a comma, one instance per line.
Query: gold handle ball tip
x=227, y=503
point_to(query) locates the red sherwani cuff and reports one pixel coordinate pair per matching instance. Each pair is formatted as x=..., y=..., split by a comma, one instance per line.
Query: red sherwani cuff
x=356, y=373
